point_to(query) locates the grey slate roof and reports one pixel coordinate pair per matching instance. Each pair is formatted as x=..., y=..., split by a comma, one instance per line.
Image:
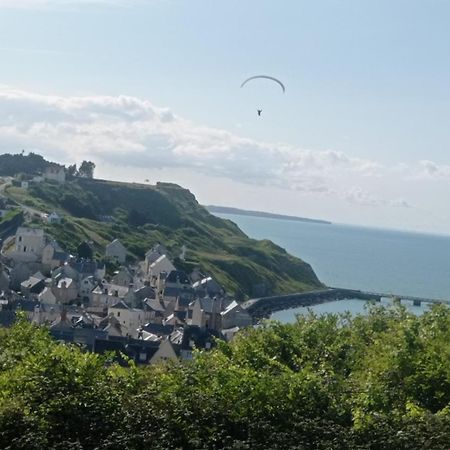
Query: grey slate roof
x=145, y=292
x=178, y=276
x=120, y=305
x=200, y=337
x=158, y=329
x=154, y=304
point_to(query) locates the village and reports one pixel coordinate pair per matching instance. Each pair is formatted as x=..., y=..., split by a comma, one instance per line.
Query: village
x=148, y=310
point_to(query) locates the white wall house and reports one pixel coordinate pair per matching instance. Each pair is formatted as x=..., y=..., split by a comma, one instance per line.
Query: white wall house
x=53, y=256
x=130, y=318
x=29, y=244
x=122, y=277
x=162, y=264
x=206, y=313
x=66, y=290
x=165, y=352
x=86, y=286
x=55, y=173
x=107, y=294
x=47, y=296
x=152, y=255
x=116, y=251
x=235, y=316
x=53, y=218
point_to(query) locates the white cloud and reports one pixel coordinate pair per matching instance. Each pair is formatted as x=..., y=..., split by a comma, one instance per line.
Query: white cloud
x=360, y=196
x=400, y=203
x=433, y=170
x=132, y=132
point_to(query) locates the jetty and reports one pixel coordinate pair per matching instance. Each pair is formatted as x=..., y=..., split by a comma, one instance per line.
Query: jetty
x=263, y=307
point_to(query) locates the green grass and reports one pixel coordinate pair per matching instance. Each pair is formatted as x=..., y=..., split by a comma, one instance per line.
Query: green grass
x=10, y=215
x=145, y=215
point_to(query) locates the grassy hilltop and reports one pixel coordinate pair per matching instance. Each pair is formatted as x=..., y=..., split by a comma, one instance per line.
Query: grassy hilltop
x=142, y=215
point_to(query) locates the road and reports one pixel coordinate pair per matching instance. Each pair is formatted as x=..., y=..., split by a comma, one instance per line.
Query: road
x=26, y=209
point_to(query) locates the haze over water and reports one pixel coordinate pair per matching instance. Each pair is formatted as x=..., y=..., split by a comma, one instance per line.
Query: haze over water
x=377, y=260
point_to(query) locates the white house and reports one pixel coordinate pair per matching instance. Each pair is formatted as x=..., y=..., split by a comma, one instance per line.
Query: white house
x=152, y=255
x=235, y=316
x=116, y=251
x=123, y=277
x=86, y=287
x=46, y=313
x=165, y=352
x=66, y=290
x=206, y=313
x=29, y=244
x=53, y=256
x=47, y=296
x=107, y=294
x=53, y=218
x=162, y=264
x=129, y=318
x=208, y=287
x=55, y=172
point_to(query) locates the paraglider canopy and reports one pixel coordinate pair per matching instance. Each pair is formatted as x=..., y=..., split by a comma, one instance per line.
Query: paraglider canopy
x=267, y=77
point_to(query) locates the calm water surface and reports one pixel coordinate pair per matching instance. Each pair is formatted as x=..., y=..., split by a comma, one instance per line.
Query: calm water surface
x=369, y=259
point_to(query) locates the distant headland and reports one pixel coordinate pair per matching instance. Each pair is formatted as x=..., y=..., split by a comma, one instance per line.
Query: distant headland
x=244, y=212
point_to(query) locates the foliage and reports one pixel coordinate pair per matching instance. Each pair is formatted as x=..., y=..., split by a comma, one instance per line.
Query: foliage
x=71, y=171
x=86, y=169
x=380, y=381
x=142, y=215
x=11, y=165
x=56, y=396
x=10, y=221
x=84, y=250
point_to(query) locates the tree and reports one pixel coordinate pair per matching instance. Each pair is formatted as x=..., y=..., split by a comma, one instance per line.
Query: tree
x=57, y=396
x=136, y=219
x=84, y=250
x=72, y=171
x=86, y=169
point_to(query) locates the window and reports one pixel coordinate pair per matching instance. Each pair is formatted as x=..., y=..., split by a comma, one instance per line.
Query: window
x=118, y=314
x=20, y=238
x=24, y=248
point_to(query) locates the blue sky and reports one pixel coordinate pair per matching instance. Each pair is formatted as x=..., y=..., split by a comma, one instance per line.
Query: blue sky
x=150, y=89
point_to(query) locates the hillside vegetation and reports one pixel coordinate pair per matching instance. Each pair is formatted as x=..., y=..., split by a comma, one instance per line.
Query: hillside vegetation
x=13, y=164
x=380, y=381
x=142, y=215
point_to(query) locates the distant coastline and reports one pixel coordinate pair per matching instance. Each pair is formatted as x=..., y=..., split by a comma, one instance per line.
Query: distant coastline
x=244, y=212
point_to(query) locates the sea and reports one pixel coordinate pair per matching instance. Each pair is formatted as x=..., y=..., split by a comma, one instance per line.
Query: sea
x=369, y=259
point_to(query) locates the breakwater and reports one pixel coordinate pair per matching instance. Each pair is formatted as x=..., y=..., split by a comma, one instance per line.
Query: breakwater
x=263, y=307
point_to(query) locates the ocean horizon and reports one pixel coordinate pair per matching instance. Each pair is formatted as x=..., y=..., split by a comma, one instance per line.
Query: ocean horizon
x=370, y=259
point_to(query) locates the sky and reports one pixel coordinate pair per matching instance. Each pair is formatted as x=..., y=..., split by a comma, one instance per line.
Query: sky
x=150, y=90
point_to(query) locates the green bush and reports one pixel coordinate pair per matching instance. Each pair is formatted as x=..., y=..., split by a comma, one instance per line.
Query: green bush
x=380, y=381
